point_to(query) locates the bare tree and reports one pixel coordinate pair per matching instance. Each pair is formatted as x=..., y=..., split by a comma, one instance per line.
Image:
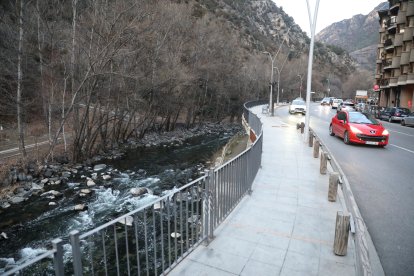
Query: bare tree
x=19, y=104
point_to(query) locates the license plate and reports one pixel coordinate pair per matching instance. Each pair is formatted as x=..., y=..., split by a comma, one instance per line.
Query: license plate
x=371, y=143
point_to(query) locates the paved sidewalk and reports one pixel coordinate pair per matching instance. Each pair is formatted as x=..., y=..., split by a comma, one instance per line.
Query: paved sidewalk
x=286, y=226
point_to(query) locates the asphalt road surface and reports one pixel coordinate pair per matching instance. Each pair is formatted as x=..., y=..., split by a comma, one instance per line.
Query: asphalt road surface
x=382, y=181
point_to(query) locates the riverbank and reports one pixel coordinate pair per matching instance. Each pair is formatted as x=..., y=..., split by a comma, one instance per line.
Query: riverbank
x=18, y=182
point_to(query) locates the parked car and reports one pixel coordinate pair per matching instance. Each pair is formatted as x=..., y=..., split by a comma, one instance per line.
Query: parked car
x=408, y=121
x=326, y=101
x=394, y=113
x=346, y=106
x=297, y=106
x=336, y=103
x=360, y=128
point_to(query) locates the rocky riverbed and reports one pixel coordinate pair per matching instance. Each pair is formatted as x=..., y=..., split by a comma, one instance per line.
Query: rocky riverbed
x=50, y=200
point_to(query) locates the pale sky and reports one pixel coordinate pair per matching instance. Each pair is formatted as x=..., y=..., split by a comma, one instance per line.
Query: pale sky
x=330, y=11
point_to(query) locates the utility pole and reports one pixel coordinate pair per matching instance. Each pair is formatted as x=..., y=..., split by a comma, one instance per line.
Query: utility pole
x=312, y=23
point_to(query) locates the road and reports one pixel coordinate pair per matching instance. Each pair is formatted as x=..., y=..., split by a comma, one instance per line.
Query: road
x=382, y=180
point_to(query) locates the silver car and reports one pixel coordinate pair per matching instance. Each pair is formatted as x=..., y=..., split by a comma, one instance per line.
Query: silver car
x=408, y=121
x=297, y=106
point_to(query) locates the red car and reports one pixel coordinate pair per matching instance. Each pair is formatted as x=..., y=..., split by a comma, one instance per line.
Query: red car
x=359, y=128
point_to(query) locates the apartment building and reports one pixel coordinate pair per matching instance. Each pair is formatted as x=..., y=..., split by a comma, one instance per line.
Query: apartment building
x=395, y=55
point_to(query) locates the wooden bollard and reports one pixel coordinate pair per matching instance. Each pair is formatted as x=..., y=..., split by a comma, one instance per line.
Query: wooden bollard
x=324, y=162
x=310, y=139
x=341, y=233
x=302, y=127
x=316, y=149
x=333, y=186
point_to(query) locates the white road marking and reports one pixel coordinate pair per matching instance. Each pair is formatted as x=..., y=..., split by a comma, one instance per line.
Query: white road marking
x=401, y=148
x=401, y=133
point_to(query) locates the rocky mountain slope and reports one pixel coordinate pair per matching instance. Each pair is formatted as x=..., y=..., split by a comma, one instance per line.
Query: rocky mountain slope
x=357, y=35
x=265, y=26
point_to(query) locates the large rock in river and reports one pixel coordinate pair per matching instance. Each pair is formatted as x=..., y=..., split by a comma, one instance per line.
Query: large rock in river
x=138, y=191
x=99, y=167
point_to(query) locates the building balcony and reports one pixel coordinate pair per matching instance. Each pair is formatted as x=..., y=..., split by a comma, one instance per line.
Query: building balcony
x=394, y=8
x=378, y=76
x=408, y=34
x=405, y=58
x=386, y=64
x=393, y=82
x=383, y=13
x=392, y=25
x=396, y=62
x=398, y=40
x=410, y=78
x=410, y=9
x=412, y=55
x=384, y=83
x=389, y=44
x=402, y=80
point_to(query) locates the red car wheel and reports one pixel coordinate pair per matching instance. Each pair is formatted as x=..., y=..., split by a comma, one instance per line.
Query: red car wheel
x=346, y=138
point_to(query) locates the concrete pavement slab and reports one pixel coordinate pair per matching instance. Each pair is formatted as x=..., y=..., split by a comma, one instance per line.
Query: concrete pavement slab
x=286, y=226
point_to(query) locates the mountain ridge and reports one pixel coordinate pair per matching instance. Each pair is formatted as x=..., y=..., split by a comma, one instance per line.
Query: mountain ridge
x=358, y=35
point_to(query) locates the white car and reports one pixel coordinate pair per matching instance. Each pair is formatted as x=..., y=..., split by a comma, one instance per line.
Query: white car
x=297, y=106
x=346, y=106
x=336, y=103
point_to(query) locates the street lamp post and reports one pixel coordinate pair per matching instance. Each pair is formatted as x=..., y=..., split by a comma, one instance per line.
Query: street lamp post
x=271, y=77
x=271, y=107
x=278, y=78
x=312, y=23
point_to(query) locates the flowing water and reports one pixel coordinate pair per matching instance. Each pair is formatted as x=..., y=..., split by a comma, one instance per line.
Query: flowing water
x=31, y=226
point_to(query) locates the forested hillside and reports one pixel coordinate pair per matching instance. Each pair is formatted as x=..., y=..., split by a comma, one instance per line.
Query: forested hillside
x=103, y=71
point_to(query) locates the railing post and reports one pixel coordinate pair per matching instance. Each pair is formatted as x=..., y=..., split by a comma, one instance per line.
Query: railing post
x=310, y=139
x=341, y=233
x=58, y=257
x=324, y=162
x=77, y=258
x=208, y=208
x=333, y=186
x=211, y=204
x=316, y=149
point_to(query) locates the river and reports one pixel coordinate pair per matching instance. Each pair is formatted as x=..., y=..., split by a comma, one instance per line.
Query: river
x=33, y=224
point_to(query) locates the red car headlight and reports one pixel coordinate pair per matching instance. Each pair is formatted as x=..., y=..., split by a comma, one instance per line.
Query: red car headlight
x=354, y=129
x=385, y=132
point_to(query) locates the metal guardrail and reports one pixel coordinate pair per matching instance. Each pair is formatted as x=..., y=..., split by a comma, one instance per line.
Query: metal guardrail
x=153, y=239
x=363, y=263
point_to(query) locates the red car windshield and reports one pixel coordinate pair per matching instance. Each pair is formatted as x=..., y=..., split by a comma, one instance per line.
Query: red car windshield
x=362, y=118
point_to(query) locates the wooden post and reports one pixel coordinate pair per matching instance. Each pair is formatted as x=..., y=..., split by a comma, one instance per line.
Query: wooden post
x=333, y=186
x=310, y=139
x=341, y=233
x=324, y=162
x=316, y=149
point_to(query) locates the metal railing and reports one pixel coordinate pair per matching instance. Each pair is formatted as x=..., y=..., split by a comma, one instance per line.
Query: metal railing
x=153, y=239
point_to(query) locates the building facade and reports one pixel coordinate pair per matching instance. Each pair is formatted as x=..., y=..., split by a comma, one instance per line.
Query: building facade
x=395, y=55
